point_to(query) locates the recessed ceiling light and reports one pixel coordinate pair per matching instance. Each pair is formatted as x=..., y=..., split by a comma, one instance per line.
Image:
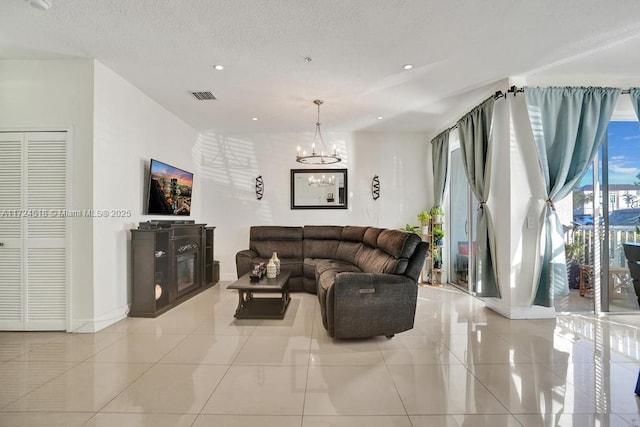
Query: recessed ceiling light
x=218, y=67
x=254, y=118
x=380, y=117
x=407, y=66
x=39, y=4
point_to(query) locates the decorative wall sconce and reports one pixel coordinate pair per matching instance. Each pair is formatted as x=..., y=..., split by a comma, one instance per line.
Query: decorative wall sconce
x=259, y=187
x=375, y=187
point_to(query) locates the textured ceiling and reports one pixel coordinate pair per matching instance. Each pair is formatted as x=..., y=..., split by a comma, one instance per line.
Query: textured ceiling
x=459, y=48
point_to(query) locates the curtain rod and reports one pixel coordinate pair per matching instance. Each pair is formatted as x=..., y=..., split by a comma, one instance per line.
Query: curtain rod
x=515, y=90
x=499, y=94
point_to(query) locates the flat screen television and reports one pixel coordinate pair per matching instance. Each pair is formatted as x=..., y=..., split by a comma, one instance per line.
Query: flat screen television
x=169, y=190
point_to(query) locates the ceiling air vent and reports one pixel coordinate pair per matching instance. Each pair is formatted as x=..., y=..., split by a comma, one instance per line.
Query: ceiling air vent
x=203, y=96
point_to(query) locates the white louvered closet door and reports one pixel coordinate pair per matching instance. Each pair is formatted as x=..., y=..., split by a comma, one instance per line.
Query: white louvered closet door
x=33, y=255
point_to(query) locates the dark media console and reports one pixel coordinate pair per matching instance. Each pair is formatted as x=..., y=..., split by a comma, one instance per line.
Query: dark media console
x=171, y=261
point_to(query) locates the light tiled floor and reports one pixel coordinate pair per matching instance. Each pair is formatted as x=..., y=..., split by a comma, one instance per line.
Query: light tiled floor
x=462, y=365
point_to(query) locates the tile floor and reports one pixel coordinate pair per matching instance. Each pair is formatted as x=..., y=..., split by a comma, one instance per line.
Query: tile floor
x=462, y=365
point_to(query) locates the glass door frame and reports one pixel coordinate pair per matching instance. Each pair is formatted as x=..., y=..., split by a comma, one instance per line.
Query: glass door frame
x=602, y=238
x=469, y=228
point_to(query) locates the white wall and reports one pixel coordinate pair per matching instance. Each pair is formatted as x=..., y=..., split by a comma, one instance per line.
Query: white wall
x=517, y=195
x=110, y=154
x=229, y=164
x=129, y=130
x=58, y=95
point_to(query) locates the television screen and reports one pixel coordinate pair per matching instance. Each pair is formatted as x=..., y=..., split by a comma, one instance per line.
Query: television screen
x=169, y=190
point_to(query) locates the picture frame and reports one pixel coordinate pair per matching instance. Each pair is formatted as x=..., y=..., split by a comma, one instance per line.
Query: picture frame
x=318, y=188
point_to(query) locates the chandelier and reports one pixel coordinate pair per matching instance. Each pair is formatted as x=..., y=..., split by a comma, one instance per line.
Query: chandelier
x=321, y=182
x=323, y=157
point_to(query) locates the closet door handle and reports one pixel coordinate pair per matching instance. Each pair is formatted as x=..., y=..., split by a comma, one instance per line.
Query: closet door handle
x=1, y=244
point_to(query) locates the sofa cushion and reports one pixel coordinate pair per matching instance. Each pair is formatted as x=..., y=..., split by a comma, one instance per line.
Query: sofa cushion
x=348, y=251
x=352, y=233
x=334, y=265
x=286, y=241
x=321, y=241
x=373, y=260
x=309, y=267
x=371, y=236
x=398, y=244
x=322, y=232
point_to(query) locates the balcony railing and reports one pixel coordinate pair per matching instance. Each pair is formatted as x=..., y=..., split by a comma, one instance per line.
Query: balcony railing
x=617, y=236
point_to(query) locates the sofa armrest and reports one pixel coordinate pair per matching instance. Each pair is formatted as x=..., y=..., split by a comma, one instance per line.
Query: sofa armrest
x=367, y=304
x=244, y=261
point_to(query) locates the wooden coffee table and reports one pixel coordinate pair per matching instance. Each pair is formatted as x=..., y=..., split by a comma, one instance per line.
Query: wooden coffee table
x=250, y=307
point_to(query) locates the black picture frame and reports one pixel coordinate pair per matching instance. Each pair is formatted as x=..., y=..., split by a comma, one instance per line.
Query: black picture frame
x=317, y=188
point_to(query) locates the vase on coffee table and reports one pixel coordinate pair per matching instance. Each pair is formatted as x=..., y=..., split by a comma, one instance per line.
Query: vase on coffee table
x=276, y=261
x=271, y=270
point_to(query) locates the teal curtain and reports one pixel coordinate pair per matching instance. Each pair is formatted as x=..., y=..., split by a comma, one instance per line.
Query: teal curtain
x=569, y=124
x=440, y=161
x=634, y=94
x=475, y=139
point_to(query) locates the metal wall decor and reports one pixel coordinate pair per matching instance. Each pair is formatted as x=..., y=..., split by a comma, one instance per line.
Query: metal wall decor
x=259, y=187
x=375, y=187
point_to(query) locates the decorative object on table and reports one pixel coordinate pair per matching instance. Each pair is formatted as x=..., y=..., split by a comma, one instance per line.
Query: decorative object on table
x=375, y=187
x=276, y=261
x=425, y=218
x=271, y=269
x=258, y=270
x=324, y=157
x=259, y=187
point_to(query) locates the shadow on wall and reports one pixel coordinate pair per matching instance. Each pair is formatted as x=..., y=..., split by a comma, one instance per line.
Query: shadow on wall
x=228, y=166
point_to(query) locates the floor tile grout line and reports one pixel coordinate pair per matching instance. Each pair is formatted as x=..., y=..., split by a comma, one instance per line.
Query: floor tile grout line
x=134, y=381
x=41, y=385
x=306, y=383
x=395, y=386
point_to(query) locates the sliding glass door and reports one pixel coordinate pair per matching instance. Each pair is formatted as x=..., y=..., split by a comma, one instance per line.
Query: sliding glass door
x=461, y=224
x=620, y=189
x=606, y=212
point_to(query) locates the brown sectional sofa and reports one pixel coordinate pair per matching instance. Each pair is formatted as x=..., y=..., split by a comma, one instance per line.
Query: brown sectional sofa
x=365, y=277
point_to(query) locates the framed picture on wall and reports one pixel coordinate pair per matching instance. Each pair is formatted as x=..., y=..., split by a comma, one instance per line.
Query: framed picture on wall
x=316, y=188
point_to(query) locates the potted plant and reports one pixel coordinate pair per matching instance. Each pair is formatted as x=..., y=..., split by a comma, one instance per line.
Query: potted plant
x=438, y=236
x=411, y=229
x=574, y=253
x=437, y=259
x=437, y=214
x=425, y=218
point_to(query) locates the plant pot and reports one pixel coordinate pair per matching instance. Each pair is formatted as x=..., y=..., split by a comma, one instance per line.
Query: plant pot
x=437, y=219
x=573, y=275
x=425, y=229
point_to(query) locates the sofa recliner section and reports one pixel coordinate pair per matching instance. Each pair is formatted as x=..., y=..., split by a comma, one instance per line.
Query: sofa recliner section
x=365, y=277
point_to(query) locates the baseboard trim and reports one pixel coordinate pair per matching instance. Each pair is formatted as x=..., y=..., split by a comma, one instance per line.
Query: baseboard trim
x=87, y=326
x=514, y=313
